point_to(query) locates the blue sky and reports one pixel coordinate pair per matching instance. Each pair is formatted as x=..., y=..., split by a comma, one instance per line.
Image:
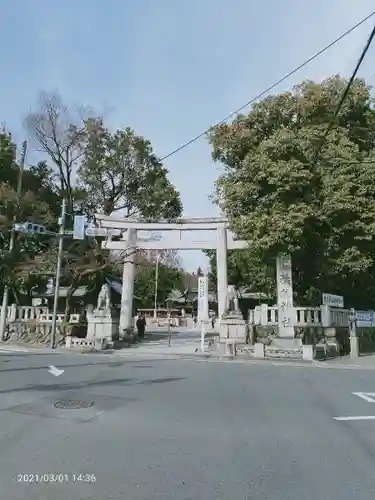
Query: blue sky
x=170, y=68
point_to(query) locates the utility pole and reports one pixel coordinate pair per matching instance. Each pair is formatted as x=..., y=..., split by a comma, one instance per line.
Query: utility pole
x=156, y=288
x=58, y=273
x=4, y=307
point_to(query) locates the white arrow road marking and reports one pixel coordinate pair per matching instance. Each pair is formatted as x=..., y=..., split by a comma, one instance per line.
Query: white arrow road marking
x=55, y=371
x=367, y=396
x=368, y=417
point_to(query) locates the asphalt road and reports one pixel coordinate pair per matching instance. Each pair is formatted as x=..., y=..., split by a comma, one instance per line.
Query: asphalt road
x=183, y=430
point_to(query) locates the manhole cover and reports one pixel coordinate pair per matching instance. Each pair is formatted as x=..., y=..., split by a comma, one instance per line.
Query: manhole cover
x=72, y=404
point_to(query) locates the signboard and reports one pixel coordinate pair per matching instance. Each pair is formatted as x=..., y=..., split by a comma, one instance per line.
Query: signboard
x=50, y=287
x=203, y=299
x=102, y=231
x=333, y=300
x=79, y=227
x=365, y=319
x=152, y=236
x=96, y=231
x=285, y=295
x=114, y=232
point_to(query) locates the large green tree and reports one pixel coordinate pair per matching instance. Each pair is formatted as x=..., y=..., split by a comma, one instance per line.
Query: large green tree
x=120, y=171
x=98, y=170
x=283, y=197
x=246, y=271
x=19, y=267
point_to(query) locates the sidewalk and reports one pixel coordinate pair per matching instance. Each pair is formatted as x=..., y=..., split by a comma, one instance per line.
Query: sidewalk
x=179, y=346
x=12, y=348
x=155, y=343
x=366, y=361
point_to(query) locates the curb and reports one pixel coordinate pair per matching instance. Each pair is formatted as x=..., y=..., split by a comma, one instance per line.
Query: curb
x=193, y=355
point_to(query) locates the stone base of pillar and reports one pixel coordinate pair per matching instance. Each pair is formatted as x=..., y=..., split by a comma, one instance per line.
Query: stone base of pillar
x=286, y=343
x=331, y=341
x=124, y=333
x=102, y=325
x=259, y=350
x=307, y=352
x=354, y=347
x=233, y=326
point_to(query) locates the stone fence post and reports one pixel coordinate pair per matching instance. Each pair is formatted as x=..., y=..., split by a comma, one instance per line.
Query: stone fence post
x=326, y=316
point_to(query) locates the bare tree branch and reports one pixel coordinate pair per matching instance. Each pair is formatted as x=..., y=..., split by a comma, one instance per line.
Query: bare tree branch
x=61, y=135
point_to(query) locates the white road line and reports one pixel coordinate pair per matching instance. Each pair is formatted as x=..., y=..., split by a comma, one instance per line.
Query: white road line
x=12, y=350
x=367, y=417
x=367, y=396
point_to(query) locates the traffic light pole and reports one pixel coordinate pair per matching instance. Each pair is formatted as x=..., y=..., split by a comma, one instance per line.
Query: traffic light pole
x=58, y=273
x=4, y=306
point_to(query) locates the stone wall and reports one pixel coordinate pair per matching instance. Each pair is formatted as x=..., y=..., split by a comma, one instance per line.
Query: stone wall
x=29, y=324
x=366, y=340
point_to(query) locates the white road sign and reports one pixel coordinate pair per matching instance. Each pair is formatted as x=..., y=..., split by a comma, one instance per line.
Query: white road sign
x=333, y=300
x=79, y=227
x=203, y=299
x=96, y=231
x=365, y=319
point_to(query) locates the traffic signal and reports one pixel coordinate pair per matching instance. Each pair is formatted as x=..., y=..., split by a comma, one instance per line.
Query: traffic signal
x=30, y=228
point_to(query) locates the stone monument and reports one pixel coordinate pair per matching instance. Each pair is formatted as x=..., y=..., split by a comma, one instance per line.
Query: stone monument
x=102, y=322
x=286, y=311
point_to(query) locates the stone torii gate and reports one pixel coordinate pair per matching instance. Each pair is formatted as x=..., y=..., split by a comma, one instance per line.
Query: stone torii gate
x=224, y=241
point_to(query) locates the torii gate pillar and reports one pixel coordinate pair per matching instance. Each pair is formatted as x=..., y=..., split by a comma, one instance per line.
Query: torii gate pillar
x=128, y=275
x=222, y=269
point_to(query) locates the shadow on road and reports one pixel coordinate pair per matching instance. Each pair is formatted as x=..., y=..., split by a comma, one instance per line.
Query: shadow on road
x=102, y=383
x=110, y=364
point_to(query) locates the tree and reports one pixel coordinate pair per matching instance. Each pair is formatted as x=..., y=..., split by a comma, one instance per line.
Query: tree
x=121, y=172
x=245, y=271
x=113, y=171
x=169, y=258
x=40, y=179
x=61, y=135
x=7, y=159
x=169, y=279
x=281, y=197
x=17, y=269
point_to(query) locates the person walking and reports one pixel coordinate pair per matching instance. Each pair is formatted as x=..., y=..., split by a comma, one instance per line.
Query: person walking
x=141, y=326
x=213, y=322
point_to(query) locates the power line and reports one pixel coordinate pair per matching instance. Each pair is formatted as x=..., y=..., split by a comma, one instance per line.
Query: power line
x=271, y=87
x=344, y=95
